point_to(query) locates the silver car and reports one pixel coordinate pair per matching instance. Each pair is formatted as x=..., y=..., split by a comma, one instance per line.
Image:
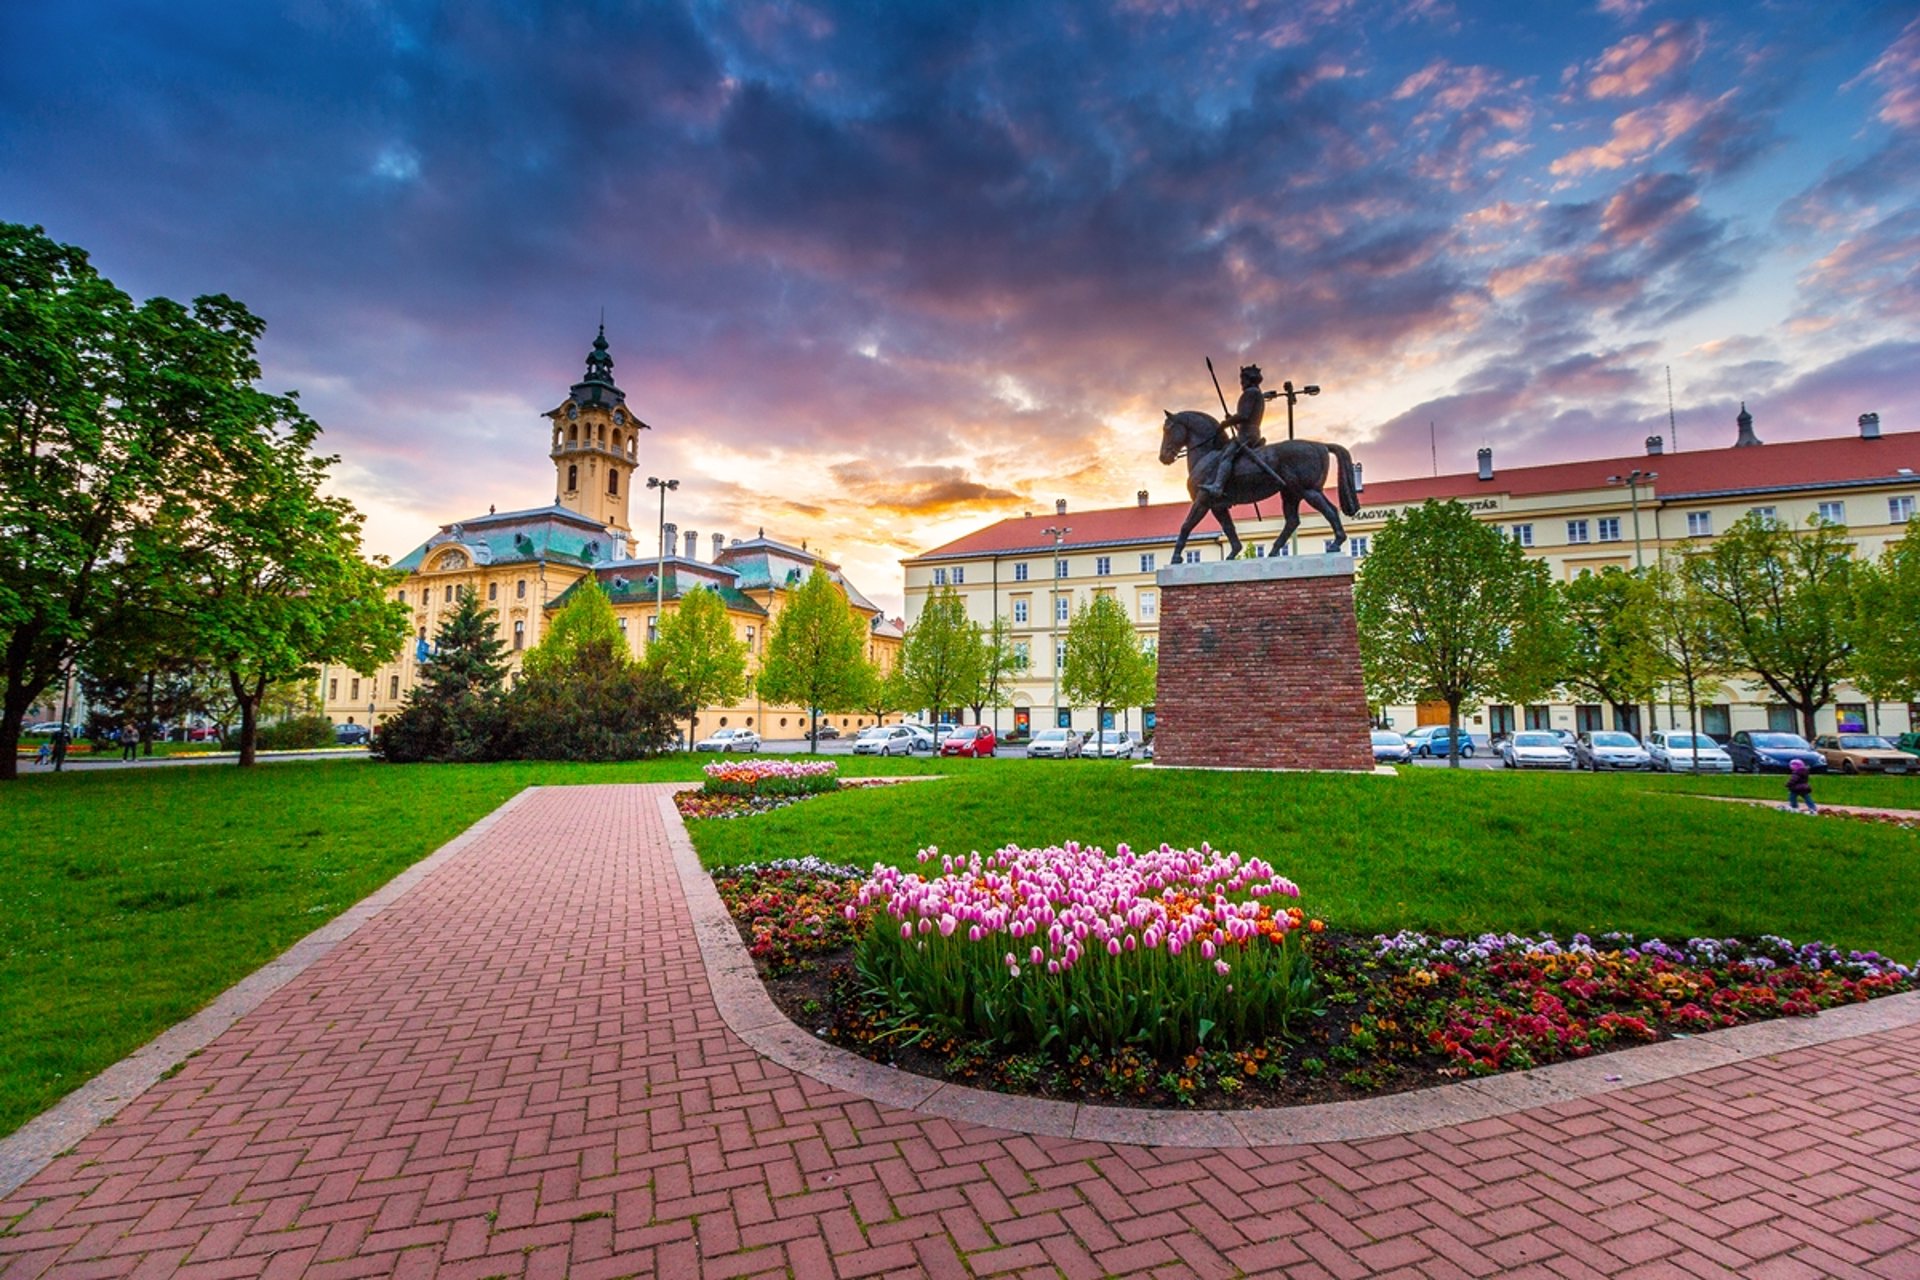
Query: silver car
x=1054, y=744
x=1111, y=744
x=1678, y=751
x=1610, y=750
x=724, y=740
x=1535, y=749
x=884, y=740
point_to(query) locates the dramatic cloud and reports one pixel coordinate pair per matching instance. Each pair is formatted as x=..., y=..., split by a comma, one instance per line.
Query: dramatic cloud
x=1642, y=62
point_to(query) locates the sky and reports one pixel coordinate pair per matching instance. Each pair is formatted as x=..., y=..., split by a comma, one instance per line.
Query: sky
x=877, y=274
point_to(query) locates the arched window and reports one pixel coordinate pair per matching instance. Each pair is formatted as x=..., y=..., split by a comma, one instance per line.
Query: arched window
x=613, y=482
x=616, y=441
x=520, y=593
x=573, y=435
x=573, y=478
x=519, y=634
x=493, y=591
x=401, y=595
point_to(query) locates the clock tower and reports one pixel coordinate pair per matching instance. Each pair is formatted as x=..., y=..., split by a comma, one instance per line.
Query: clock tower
x=596, y=443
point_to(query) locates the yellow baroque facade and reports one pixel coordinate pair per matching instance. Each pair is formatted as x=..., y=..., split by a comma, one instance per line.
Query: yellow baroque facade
x=524, y=564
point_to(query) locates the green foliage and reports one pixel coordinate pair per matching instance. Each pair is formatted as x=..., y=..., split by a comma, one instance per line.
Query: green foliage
x=1106, y=666
x=1449, y=608
x=587, y=622
x=1885, y=622
x=1782, y=598
x=598, y=706
x=942, y=660
x=1608, y=654
x=298, y=733
x=999, y=666
x=880, y=695
x=697, y=654
x=455, y=712
x=816, y=654
x=1685, y=645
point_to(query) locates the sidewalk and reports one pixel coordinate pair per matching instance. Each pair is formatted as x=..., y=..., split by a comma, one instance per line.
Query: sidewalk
x=517, y=1069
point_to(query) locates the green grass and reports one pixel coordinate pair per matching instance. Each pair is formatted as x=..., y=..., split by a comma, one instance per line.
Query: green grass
x=133, y=897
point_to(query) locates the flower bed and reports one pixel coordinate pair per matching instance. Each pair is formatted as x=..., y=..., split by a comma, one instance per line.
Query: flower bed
x=1359, y=1015
x=771, y=777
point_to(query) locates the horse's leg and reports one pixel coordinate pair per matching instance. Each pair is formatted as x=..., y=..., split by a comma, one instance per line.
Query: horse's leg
x=1291, y=505
x=1194, y=513
x=1327, y=509
x=1225, y=516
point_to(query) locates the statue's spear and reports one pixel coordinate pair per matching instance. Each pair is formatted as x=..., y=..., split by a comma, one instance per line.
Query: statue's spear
x=1224, y=411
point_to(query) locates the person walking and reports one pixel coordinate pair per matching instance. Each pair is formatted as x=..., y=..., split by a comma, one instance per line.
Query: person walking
x=1799, y=786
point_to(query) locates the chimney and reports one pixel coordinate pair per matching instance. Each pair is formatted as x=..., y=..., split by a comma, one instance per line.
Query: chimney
x=1059, y=506
x=1869, y=426
x=1746, y=438
x=693, y=545
x=669, y=539
x=1141, y=496
x=1486, y=463
x=1359, y=478
x=1656, y=446
x=719, y=544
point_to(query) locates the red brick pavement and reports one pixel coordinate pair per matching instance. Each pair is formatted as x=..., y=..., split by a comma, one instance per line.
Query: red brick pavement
x=517, y=1070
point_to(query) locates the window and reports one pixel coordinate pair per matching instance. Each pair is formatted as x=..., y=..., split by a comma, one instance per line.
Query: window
x=449, y=595
x=1900, y=509
x=1609, y=528
x=1059, y=655
x=1780, y=718
x=1499, y=719
x=520, y=593
x=1850, y=717
x=1329, y=546
x=493, y=591
x=1539, y=717
x=333, y=690
x=1523, y=534
x=401, y=595
x=1699, y=524
x=1022, y=655
x=573, y=478
x=1286, y=550
x=354, y=695
x=1020, y=612
x=1146, y=563
x=393, y=686
x=1193, y=557
x=939, y=577
x=959, y=575
x=1588, y=717
x=1576, y=531
x=1833, y=512
x=1360, y=546
x=1150, y=645
x=750, y=639
x=1059, y=568
x=1149, y=606
x=653, y=627
x=1062, y=607
x=519, y=634
x=1102, y=566
x=1767, y=515
x=1020, y=572
x=623, y=626
x=613, y=482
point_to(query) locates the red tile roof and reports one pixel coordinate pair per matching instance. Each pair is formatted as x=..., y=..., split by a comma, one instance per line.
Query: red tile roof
x=1798, y=464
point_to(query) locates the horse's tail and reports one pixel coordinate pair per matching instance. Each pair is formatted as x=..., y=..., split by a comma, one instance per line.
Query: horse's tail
x=1349, y=491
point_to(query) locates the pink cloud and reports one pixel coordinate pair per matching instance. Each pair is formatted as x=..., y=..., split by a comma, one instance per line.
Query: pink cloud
x=1898, y=72
x=1636, y=135
x=1639, y=62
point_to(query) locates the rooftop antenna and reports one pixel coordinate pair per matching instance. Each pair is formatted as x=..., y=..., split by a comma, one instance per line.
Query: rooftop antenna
x=1673, y=427
x=1433, y=445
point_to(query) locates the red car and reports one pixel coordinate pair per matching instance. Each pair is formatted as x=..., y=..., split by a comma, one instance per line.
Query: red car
x=970, y=740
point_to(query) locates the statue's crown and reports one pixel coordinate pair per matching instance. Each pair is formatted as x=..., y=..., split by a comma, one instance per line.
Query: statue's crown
x=1251, y=371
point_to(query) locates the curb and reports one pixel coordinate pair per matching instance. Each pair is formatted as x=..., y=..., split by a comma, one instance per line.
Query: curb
x=750, y=1013
x=31, y=1147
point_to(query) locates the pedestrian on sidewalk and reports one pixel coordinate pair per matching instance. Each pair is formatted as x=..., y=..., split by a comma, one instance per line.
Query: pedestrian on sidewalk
x=129, y=741
x=1799, y=786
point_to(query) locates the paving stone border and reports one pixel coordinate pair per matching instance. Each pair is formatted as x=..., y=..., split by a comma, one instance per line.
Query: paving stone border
x=32, y=1146
x=751, y=1014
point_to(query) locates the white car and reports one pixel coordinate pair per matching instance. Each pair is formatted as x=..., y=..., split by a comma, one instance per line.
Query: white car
x=1535, y=749
x=1677, y=751
x=884, y=740
x=729, y=740
x=1054, y=744
x=1111, y=744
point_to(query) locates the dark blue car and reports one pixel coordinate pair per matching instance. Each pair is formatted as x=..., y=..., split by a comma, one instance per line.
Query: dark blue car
x=1773, y=753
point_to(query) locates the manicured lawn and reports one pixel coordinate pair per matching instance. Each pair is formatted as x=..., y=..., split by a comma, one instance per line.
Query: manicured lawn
x=134, y=897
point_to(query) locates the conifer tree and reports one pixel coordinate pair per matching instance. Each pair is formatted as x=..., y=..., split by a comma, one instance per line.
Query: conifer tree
x=454, y=712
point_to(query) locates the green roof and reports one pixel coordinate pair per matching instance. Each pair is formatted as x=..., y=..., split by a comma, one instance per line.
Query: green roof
x=527, y=537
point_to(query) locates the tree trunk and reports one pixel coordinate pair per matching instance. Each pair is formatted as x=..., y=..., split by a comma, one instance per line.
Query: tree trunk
x=10, y=734
x=1453, y=733
x=1807, y=711
x=1693, y=729
x=146, y=728
x=249, y=729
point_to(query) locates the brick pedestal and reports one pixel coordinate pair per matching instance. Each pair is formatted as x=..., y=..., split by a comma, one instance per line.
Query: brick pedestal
x=1260, y=666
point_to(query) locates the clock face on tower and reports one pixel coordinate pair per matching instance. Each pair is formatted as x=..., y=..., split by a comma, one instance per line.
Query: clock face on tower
x=619, y=417
x=573, y=411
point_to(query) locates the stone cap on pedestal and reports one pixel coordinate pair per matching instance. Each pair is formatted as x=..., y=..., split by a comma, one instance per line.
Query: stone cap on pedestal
x=1268, y=569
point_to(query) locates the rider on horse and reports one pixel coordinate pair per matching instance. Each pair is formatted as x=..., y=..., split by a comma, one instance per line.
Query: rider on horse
x=1245, y=422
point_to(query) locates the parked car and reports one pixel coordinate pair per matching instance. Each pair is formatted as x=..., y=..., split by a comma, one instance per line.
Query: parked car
x=826, y=731
x=1909, y=743
x=941, y=732
x=1111, y=744
x=1862, y=753
x=47, y=728
x=1609, y=749
x=204, y=733
x=923, y=738
x=1567, y=736
x=1678, y=751
x=1772, y=752
x=884, y=740
x=1054, y=744
x=1432, y=740
x=969, y=740
x=729, y=740
x=1535, y=749
x=351, y=735
x=1390, y=748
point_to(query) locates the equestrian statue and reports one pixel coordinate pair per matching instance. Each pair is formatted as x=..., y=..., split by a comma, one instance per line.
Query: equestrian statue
x=1229, y=465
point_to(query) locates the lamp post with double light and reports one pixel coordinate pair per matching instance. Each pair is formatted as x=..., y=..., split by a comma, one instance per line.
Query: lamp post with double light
x=1633, y=480
x=660, y=570
x=1292, y=394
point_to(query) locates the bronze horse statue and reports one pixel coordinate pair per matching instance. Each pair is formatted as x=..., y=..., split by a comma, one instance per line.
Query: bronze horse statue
x=1294, y=469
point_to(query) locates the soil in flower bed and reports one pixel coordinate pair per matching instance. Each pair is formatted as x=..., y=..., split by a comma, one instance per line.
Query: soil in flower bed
x=1390, y=1014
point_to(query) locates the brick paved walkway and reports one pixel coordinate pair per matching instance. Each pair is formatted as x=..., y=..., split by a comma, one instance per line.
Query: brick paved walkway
x=517, y=1070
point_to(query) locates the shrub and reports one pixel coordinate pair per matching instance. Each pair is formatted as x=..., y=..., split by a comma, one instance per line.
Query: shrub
x=297, y=733
x=598, y=707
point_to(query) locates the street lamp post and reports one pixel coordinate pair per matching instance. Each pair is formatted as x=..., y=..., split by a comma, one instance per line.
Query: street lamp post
x=1292, y=394
x=660, y=570
x=1633, y=480
x=1059, y=534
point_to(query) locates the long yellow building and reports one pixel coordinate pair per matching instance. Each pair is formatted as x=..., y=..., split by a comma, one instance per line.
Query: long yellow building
x=525, y=564
x=1578, y=516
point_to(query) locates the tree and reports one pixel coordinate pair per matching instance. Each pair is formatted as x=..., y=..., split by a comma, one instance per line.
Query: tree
x=586, y=621
x=105, y=409
x=815, y=656
x=1783, y=598
x=1687, y=648
x=697, y=653
x=940, y=660
x=1607, y=649
x=454, y=712
x=999, y=664
x=600, y=705
x=1448, y=608
x=263, y=570
x=1106, y=667
x=1886, y=638
x=881, y=693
